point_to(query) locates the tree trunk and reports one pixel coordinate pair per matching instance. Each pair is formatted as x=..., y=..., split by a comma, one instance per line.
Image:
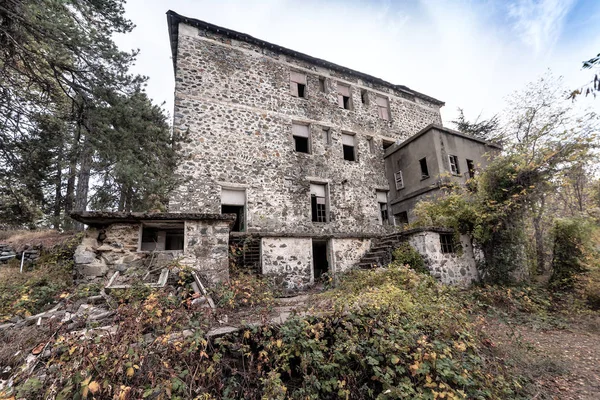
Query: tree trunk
x=83, y=180
x=538, y=229
x=58, y=194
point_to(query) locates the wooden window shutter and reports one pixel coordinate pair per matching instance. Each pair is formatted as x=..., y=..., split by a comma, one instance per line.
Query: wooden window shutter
x=298, y=77
x=300, y=130
x=343, y=90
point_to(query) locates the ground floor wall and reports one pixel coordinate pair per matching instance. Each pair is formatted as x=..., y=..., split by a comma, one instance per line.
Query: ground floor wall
x=348, y=252
x=295, y=263
x=456, y=268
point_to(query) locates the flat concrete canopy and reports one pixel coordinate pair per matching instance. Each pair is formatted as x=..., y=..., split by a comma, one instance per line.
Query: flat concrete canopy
x=96, y=218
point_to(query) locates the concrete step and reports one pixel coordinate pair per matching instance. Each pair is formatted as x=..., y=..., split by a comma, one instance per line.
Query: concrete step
x=376, y=260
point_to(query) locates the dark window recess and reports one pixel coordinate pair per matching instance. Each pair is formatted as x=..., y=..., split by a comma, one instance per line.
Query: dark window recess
x=471, y=168
x=238, y=225
x=401, y=218
x=301, y=144
x=454, y=164
x=386, y=144
x=364, y=97
x=349, y=153
x=384, y=212
x=320, y=262
x=319, y=208
x=447, y=243
x=424, y=169
x=160, y=239
x=301, y=89
x=346, y=101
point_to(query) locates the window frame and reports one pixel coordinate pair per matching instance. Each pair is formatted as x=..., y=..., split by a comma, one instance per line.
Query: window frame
x=345, y=102
x=298, y=79
x=399, y=182
x=470, y=168
x=424, y=171
x=319, y=215
x=447, y=243
x=383, y=110
x=296, y=136
x=453, y=162
x=384, y=212
x=353, y=146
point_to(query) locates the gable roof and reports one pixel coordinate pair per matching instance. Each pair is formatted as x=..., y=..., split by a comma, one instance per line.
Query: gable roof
x=174, y=19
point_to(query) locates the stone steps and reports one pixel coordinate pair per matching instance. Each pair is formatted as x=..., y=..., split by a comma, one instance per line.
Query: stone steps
x=380, y=253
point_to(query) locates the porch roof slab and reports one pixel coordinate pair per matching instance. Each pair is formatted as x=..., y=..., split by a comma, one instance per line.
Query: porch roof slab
x=99, y=218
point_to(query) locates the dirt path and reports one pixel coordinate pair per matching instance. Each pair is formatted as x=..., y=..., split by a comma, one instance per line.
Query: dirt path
x=564, y=364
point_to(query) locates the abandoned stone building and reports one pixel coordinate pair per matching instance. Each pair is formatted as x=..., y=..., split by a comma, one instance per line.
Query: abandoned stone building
x=297, y=148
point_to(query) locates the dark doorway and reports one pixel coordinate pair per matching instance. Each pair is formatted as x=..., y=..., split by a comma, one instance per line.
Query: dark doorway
x=320, y=262
x=238, y=225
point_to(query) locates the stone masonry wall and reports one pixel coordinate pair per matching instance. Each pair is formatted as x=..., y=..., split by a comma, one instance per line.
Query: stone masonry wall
x=348, y=252
x=206, y=248
x=455, y=269
x=234, y=104
x=115, y=248
x=289, y=259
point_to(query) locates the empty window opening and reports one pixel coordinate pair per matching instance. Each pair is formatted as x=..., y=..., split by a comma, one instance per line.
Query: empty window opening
x=399, y=180
x=424, y=169
x=383, y=107
x=383, y=207
x=453, y=160
x=320, y=259
x=447, y=243
x=162, y=236
x=322, y=84
x=298, y=84
x=327, y=136
x=371, y=143
x=234, y=202
x=364, y=97
x=301, y=135
x=401, y=218
x=318, y=202
x=344, y=100
x=349, y=145
x=471, y=168
x=386, y=144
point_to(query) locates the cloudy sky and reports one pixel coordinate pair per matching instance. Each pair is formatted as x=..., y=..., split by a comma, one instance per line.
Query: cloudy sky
x=470, y=54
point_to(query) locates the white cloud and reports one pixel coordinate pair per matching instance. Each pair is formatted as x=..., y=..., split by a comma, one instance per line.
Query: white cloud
x=539, y=22
x=455, y=51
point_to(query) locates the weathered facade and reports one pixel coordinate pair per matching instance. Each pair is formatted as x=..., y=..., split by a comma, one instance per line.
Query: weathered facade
x=417, y=167
x=291, y=144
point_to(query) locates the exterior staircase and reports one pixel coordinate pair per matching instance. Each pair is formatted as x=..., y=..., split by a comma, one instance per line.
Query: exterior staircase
x=380, y=253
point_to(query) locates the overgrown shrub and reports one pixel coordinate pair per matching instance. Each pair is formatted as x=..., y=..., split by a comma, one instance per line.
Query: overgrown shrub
x=243, y=290
x=38, y=288
x=571, y=242
x=405, y=254
x=387, y=334
x=491, y=212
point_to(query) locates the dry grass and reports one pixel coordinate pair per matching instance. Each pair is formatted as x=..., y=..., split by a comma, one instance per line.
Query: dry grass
x=47, y=238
